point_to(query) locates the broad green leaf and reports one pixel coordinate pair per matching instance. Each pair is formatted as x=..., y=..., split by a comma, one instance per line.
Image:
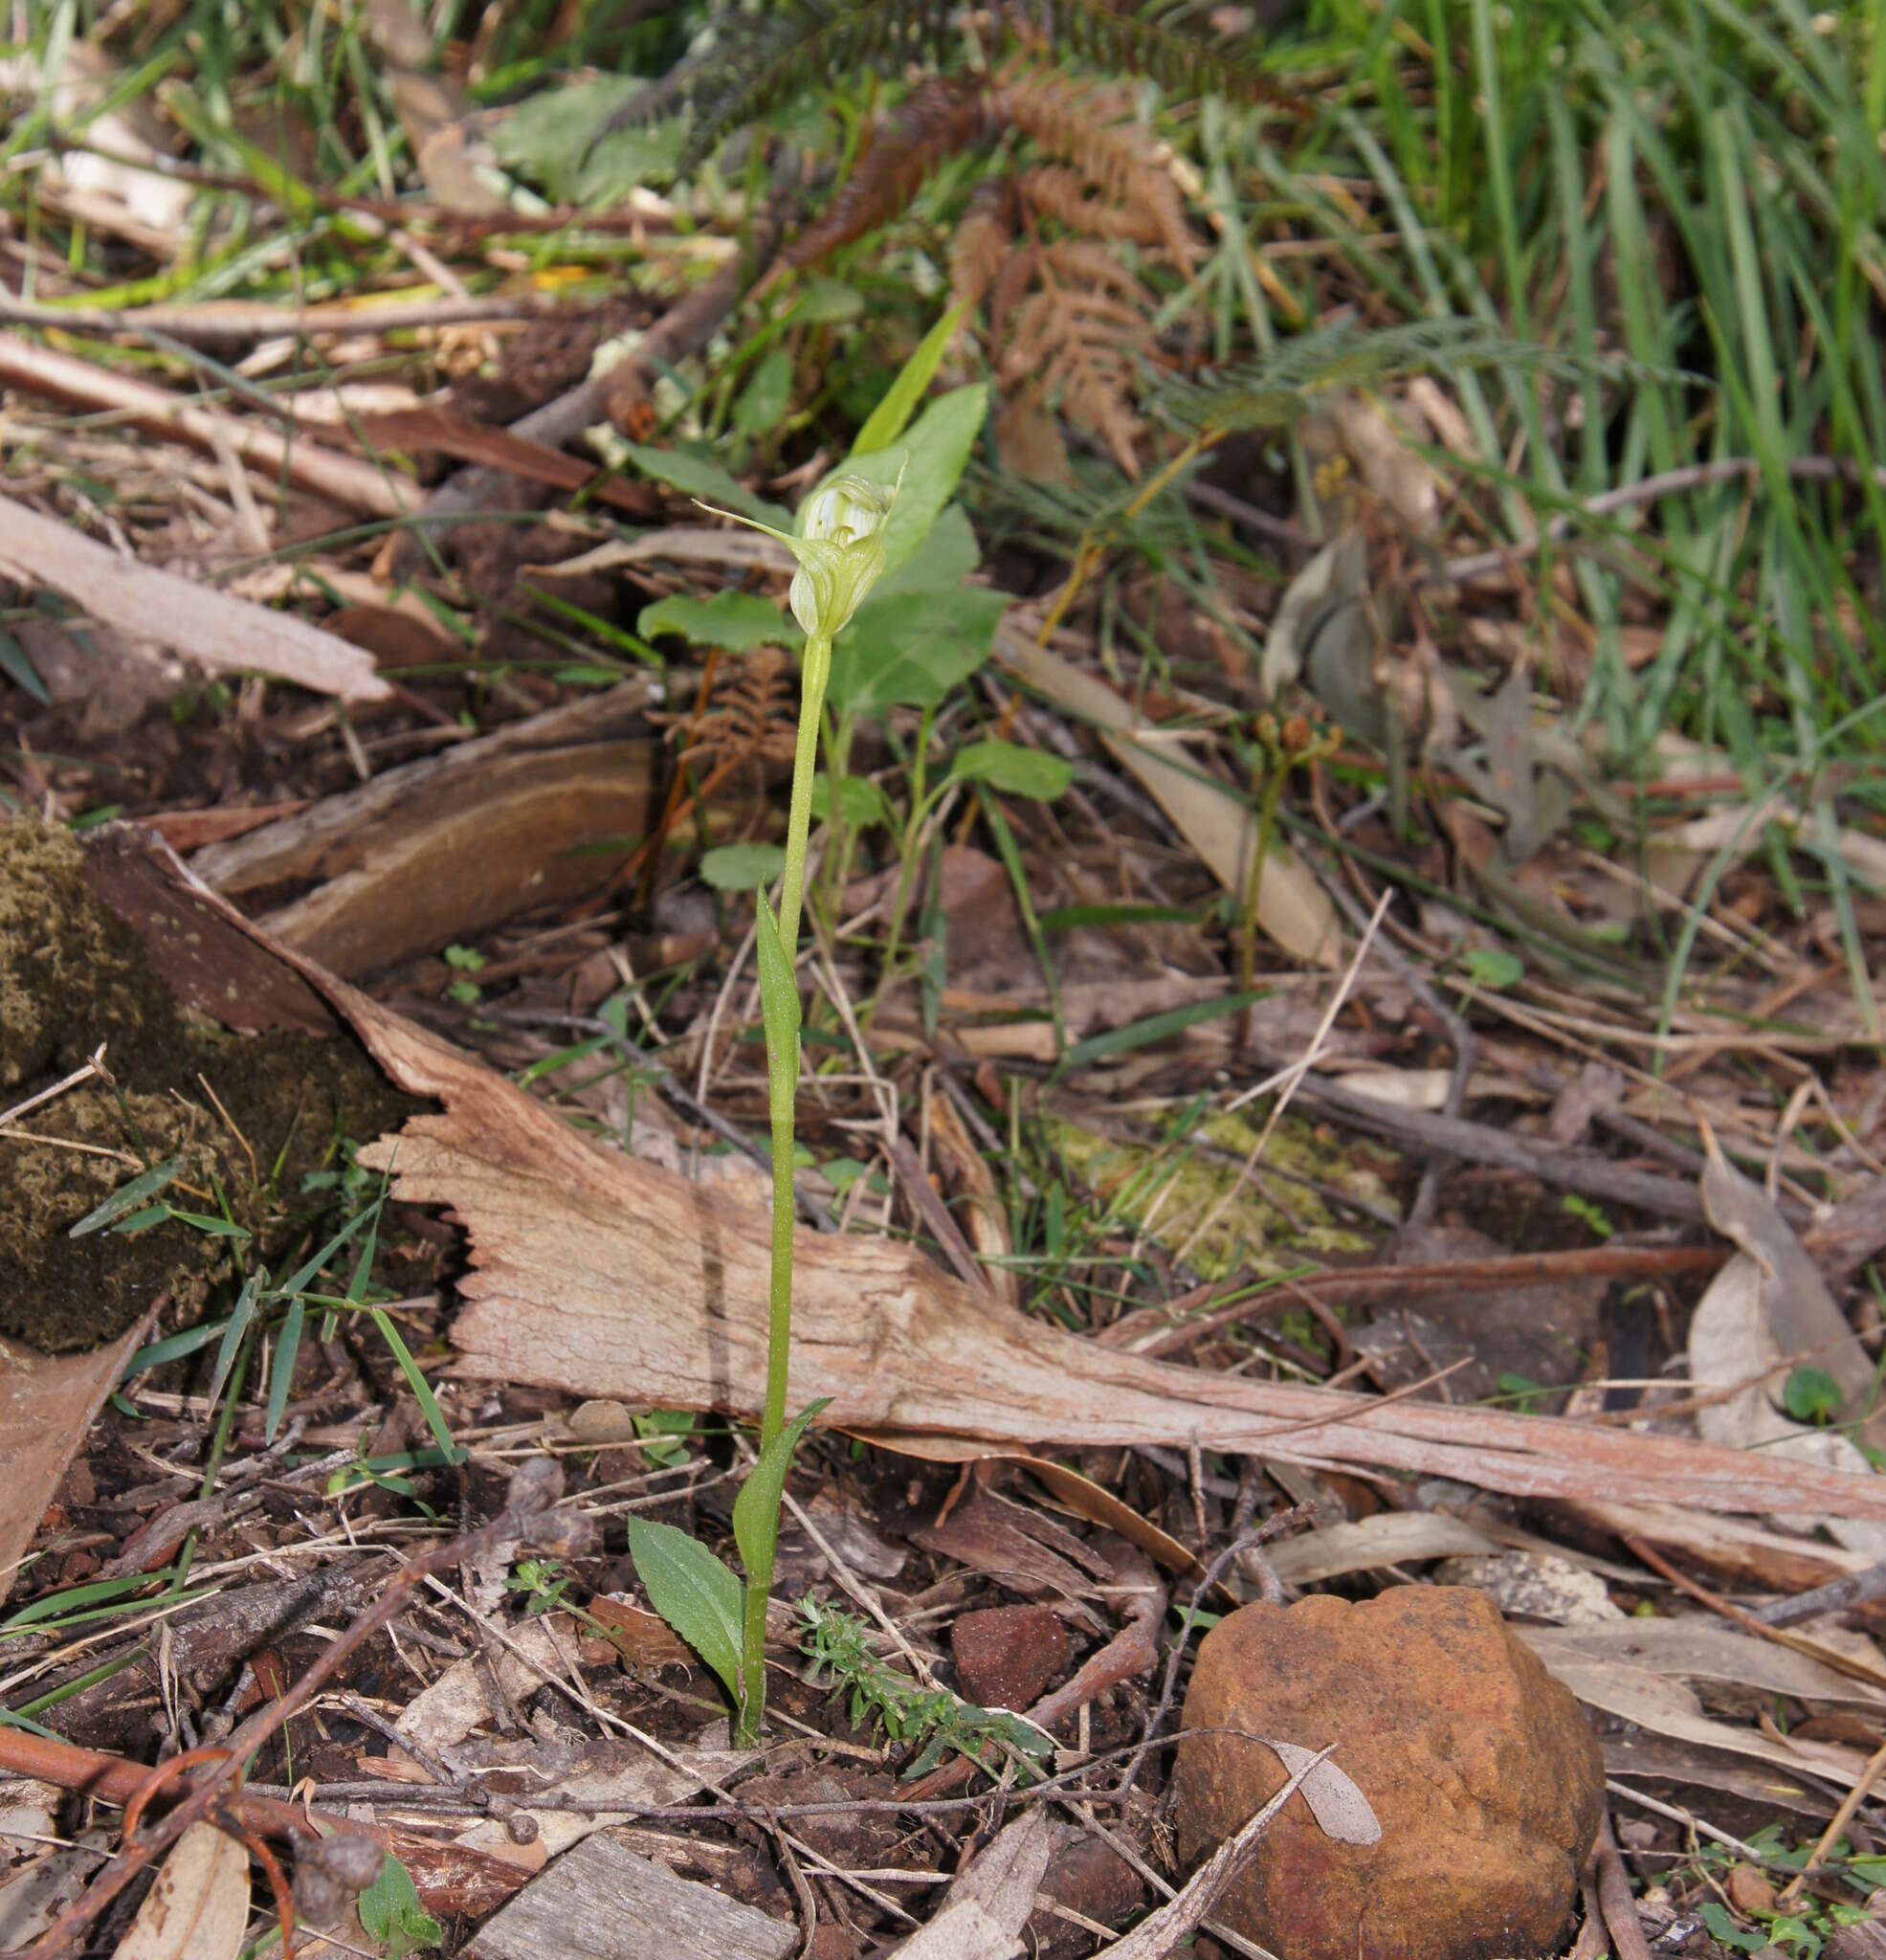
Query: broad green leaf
x=909, y=649
x=861, y=802
x=755, y=1509
x=1810, y=1396
x=937, y=446
x=692, y=1590
x=711, y=482
x=779, y=1011
x=826, y=301
x=391, y=1916
x=1496, y=968
x=742, y=867
x=766, y=396
x=127, y=1197
x=888, y=421
x=737, y=621
x=947, y=557
x=1015, y=770
x=556, y=139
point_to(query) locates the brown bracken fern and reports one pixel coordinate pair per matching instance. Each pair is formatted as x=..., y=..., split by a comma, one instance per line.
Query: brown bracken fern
x=1068, y=313
x=750, y=725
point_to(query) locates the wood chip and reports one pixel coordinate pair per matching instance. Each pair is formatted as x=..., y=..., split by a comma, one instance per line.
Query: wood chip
x=601, y=1902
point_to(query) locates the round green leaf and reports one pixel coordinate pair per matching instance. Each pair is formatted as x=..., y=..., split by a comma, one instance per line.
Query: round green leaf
x=1015, y=770
x=742, y=867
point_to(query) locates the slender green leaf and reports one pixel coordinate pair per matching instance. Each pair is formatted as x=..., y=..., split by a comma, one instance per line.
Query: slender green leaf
x=287, y=1349
x=143, y=1218
x=172, y=1348
x=20, y=670
x=779, y=1010
x=128, y=1197
x=1155, y=1028
x=712, y=481
x=238, y=1325
x=755, y=1509
x=888, y=421
x=697, y=1593
x=422, y=1388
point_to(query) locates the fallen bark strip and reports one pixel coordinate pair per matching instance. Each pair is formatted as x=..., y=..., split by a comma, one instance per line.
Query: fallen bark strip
x=343, y=480
x=595, y=1272
x=444, y=848
x=221, y=634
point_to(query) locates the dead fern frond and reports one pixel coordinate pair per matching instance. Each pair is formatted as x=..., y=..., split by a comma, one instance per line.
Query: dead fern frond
x=1083, y=334
x=983, y=243
x=1065, y=194
x=751, y=725
x=941, y=117
x=1093, y=129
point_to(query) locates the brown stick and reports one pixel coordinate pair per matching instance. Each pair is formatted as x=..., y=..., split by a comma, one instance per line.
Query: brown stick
x=1159, y=1331
x=1584, y=1171
x=342, y=479
x=114, y=1780
x=248, y=320
x=1614, y=1896
x=1781, y=1637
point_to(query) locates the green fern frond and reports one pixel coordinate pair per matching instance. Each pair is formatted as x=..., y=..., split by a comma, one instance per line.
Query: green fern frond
x=769, y=57
x=1283, y=387
x=766, y=57
x=1171, y=41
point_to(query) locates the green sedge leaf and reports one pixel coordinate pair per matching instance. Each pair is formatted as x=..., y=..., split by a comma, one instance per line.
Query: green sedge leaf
x=128, y=1197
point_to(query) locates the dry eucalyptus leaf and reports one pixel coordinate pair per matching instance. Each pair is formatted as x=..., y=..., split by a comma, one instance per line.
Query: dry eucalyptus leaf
x=47, y=1402
x=199, y=1907
x=1798, y=1309
x=1341, y=1810
x=1293, y=908
x=983, y=1913
x=1667, y=1708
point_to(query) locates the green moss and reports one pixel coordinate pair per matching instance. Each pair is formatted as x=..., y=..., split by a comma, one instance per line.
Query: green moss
x=1170, y=1191
x=72, y=977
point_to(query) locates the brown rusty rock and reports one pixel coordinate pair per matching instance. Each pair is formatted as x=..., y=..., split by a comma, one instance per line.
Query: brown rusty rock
x=1007, y=1657
x=1485, y=1777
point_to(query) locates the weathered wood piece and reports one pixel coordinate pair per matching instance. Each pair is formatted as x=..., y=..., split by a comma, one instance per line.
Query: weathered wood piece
x=440, y=850
x=601, y=1902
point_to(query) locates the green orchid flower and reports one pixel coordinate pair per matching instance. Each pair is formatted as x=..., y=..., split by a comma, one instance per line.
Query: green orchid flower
x=838, y=541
